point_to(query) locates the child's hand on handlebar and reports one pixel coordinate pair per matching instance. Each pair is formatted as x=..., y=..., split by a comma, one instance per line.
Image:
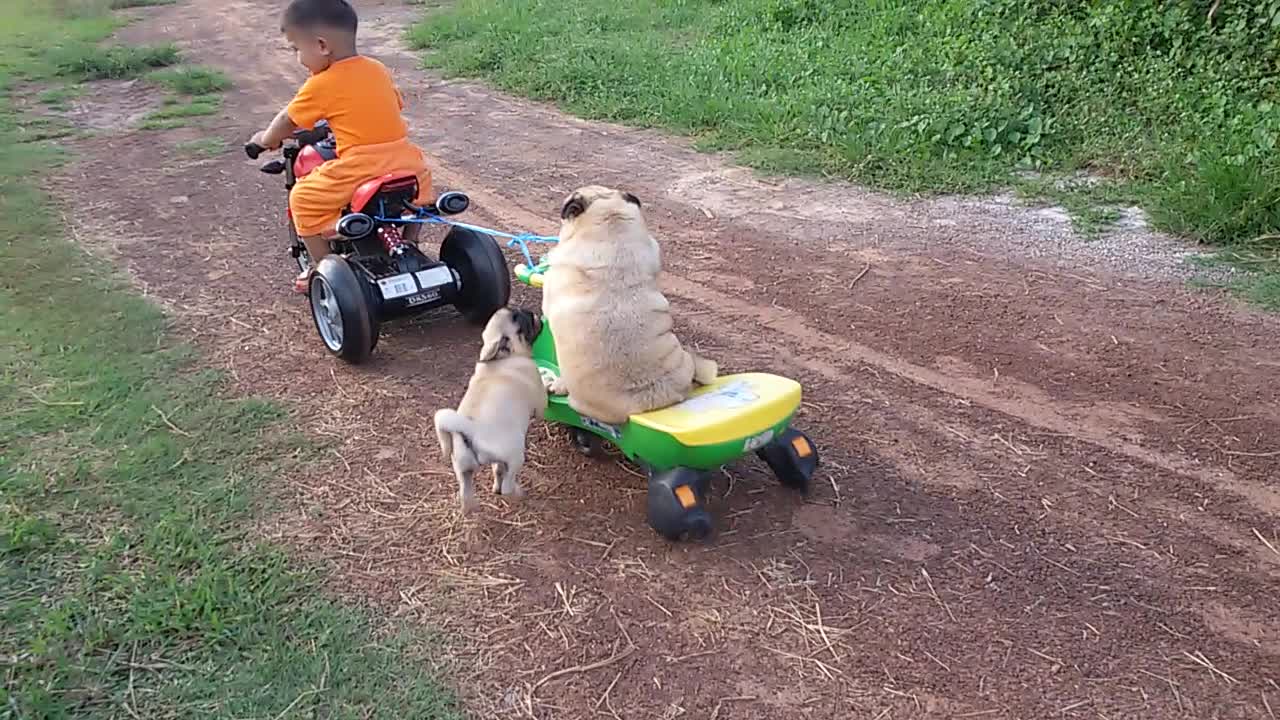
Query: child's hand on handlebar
x=260, y=139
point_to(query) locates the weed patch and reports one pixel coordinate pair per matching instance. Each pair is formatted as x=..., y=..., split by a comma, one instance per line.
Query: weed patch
x=129, y=583
x=1173, y=106
x=205, y=147
x=193, y=80
x=117, y=62
x=177, y=113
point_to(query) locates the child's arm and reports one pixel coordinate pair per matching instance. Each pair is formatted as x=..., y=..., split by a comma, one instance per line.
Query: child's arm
x=276, y=133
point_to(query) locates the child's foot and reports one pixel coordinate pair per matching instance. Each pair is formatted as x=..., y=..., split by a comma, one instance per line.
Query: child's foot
x=302, y=283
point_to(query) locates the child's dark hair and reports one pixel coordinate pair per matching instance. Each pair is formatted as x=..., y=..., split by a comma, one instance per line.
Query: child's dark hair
x=313, y=14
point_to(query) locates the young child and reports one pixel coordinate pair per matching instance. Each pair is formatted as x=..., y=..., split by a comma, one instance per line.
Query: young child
x=358, y=98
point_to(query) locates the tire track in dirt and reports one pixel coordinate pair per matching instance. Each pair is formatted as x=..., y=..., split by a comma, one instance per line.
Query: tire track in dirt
x=1071, y=538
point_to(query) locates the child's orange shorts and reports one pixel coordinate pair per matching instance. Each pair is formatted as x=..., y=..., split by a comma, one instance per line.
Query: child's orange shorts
x=316, y=202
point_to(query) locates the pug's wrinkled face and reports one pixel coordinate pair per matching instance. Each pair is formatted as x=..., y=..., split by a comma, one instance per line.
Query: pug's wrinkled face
x=510, y=331
x=597, y=204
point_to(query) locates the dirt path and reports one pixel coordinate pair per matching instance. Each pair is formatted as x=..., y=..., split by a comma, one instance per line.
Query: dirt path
x=1048, y=489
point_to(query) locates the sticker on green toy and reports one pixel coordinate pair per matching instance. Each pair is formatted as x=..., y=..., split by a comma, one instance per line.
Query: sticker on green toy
x=598, y=426
x=755, y=443
x=732, y=395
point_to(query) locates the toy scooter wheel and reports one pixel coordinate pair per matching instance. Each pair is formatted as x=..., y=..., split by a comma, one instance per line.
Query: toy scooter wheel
x=340, y=309
x=589, y=444
x=792, y=457
x=486, y=283
x=677, y=504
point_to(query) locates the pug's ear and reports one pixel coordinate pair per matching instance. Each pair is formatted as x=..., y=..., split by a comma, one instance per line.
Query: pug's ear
x=495, y=350
x=527, y=325
x=631, y=199
x=573, y=207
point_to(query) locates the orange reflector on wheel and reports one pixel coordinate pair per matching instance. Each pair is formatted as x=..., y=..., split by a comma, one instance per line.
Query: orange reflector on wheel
x=803, y=449
x=685, y=495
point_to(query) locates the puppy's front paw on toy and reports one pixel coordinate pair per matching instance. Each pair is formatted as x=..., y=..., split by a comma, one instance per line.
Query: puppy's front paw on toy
x=704, y=370
x=548, y=378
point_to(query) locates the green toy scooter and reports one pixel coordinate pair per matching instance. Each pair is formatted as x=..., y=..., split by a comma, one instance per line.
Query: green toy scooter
x=680, y=445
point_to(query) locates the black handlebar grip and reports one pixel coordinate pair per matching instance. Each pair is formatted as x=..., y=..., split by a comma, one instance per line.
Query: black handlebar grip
x=253, y=150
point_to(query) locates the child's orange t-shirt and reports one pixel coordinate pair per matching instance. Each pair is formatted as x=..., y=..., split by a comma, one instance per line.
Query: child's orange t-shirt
x=358, y=98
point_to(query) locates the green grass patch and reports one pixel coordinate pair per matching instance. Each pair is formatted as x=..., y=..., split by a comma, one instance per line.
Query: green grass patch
x=130, y=583
x=1094, y=204
x=1256, y=275
x=59, y=98
x=177, y=113
x=123, y=4
x=192, y=80
x=1176, y=110
x=38, y=129
x=117, y=62
x=204, y=147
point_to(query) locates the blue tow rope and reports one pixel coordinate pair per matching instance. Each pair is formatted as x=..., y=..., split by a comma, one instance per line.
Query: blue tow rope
x=520, y=240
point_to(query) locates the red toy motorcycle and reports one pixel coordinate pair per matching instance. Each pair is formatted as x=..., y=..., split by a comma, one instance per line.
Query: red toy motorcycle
x=373, y=274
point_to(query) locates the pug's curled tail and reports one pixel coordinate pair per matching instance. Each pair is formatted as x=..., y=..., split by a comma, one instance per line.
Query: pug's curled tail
x=451, y=422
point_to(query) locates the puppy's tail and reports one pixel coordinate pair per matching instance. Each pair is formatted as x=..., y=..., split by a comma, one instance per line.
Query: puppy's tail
x=450, y=422
x=704, y=370
x=444, y=437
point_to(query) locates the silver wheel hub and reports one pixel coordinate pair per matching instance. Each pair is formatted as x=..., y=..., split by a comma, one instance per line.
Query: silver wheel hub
x=324, y=306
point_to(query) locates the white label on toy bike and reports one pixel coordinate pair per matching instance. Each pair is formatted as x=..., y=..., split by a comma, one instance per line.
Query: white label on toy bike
x=439, y=275
x=757, y=442
x=397, y=286
x=422, y=298
x=726, y=397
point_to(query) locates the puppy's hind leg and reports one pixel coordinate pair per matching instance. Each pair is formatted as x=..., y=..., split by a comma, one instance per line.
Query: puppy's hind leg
x=504, y=478
x=465, y=470
x=704, y=370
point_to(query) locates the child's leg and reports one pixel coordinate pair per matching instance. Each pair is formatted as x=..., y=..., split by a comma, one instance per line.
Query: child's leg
x=317, y=247
x=316, y=203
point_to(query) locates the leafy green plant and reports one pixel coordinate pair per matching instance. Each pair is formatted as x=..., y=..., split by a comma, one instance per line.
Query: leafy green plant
x=947, y=96
x=1171, y=102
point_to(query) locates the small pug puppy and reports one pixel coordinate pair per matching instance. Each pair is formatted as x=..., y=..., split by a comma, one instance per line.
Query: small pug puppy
x=504, y=394
x=612, y=325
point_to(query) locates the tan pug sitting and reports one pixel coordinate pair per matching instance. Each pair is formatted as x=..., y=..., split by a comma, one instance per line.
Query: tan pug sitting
x=611, y=323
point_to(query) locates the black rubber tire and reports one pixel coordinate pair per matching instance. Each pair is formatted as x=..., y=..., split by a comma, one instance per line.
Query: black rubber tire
x=486, y=280
x=587, y=443
x=334, y=281
x=697, y=525
x=303, y=261
x=665, y=513
x=790, y=470
x=694, y=526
